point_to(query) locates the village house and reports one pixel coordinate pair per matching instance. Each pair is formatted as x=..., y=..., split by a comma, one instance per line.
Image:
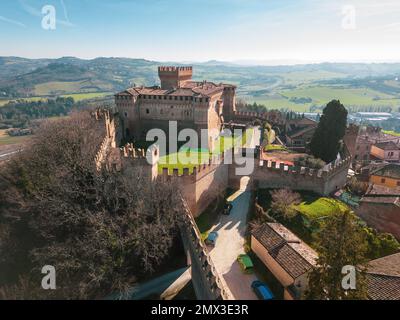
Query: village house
x=383, y=278
x=380, y=209
x=287, y=257
x=385, y=151
x=299, y=132
x=387, y=176
x=363, y=149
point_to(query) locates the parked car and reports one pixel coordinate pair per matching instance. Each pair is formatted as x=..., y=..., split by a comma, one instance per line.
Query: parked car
x=227, y=209
x=212, y=238
x=245, y=263
x=262, y=291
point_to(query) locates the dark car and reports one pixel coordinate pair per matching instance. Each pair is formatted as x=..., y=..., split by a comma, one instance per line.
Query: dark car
x=262, y=291
x=227, y=209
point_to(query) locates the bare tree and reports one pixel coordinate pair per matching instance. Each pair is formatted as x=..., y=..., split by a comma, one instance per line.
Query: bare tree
x=100, y=230
x=283, y=202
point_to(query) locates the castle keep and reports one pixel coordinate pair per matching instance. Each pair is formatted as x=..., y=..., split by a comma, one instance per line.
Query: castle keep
x=193, y=104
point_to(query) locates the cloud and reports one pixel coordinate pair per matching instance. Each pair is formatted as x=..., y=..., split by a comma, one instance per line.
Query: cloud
x=37, y=13
x=14, y=22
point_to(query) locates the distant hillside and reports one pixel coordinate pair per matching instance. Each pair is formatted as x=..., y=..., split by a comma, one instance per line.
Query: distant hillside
x=298, y=87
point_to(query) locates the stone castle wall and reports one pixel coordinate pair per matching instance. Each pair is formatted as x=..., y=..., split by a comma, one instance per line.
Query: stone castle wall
x=207, y=282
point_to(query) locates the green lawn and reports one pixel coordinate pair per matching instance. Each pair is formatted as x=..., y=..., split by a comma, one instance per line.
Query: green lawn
x=193, y=158
x=319, y=208
x=275, y=147
x=392, y=133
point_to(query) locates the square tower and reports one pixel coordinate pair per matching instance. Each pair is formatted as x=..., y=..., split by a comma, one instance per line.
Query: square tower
x=174, y=77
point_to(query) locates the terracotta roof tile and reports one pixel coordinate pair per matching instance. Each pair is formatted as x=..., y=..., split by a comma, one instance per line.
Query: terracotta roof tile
x=382, y=287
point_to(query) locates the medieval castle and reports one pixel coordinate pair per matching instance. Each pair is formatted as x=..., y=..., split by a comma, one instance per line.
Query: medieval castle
x=193, y=104
x=202, y=105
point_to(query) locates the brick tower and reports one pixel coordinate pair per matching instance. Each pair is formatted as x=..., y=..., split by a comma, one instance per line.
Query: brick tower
x=174, y=77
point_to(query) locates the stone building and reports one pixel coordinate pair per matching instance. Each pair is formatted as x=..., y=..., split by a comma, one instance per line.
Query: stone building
x=380, y=209
x=192, y=104
x=287, y=257
x=299, y=132
x=386, y=151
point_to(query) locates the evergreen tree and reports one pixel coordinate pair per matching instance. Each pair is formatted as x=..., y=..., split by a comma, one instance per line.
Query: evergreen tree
x=341, y=242
x=326, y=142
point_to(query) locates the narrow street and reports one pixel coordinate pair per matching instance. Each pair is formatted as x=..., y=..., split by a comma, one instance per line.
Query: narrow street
x=230, y=244
x=231, y=240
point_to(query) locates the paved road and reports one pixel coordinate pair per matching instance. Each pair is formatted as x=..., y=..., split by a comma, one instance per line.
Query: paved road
x=230, y=244
x=231, y=240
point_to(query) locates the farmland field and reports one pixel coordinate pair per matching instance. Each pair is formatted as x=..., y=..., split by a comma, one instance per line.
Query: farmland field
x=86, y=96
x=5, y=139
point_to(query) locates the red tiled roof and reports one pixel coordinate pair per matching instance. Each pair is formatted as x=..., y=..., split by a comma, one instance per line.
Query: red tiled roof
x=383, y=278
x=189, y=88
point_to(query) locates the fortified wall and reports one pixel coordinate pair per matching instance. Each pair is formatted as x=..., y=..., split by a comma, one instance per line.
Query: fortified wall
x=201, y=187
x=110, y=136
x=207, y=282
x=275, y=175
x=207, y=181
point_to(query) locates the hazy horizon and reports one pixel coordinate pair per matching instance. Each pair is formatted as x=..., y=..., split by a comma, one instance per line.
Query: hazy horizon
x=292, y=31
x=240, y=62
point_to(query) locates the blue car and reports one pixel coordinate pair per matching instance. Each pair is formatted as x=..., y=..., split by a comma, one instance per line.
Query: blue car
x=262, y=291
x=212, y=238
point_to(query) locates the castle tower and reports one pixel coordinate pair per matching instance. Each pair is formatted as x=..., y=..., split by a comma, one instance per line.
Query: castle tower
x=174, y=77
x=229, y=108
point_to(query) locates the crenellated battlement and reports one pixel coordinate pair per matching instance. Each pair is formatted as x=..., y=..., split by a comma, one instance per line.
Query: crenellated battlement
x=109, y=140
x=174, y=69
x=173, y=77
x=306, y=172
x=198, y=171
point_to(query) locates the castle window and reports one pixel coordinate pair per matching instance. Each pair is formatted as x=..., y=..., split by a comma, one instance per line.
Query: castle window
x=186, y=98
x=176, y=98
x=201, y=99
x=126, y=114
x=181, y=98
x=170, y=98
x=147, y=111
x=165, y=97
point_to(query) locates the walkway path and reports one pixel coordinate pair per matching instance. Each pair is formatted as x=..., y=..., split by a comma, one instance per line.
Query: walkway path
x=231, y=240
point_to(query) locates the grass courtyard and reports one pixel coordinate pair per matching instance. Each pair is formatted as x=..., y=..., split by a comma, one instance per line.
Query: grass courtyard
x=192, y=158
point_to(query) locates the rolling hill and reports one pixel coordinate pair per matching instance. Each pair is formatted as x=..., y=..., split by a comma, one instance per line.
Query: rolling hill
x=298, y=87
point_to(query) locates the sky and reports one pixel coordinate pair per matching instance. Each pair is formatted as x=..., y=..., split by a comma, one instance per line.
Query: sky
x=270, y=31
